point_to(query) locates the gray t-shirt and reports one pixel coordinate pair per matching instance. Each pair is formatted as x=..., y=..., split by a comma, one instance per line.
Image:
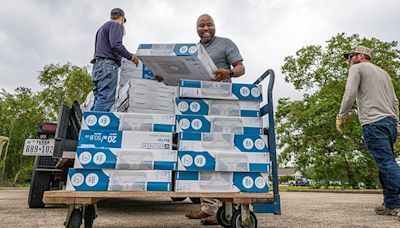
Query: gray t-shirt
x=373, y=91
x=223, y=52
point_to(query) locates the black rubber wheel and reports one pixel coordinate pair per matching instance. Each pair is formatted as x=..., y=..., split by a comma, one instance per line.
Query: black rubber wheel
x=222, y=220
x=76, y=219
x=195, y=200
x=40, y=183
x=237, y=220
x=177, y=199
x=89, y=216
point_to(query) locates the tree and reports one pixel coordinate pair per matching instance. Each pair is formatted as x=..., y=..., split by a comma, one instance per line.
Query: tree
x=306, y=128
x=20, y=112
x=63, y=84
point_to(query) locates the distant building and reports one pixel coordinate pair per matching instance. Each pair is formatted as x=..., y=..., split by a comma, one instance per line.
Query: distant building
x=289, y=171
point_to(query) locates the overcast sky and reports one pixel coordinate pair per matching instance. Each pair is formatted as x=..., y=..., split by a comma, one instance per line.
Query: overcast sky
x=34, y=33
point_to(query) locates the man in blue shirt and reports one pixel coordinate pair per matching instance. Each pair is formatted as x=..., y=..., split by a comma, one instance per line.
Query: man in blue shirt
x=107, y=59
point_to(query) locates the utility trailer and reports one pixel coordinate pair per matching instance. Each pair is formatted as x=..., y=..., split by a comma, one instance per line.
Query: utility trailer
x=56, y=145
x=235, y=211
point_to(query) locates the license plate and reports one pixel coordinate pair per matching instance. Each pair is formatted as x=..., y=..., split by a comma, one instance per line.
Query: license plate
x=38, y=147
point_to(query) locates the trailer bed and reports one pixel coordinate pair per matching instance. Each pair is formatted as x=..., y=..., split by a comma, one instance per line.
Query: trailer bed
x=91, y=197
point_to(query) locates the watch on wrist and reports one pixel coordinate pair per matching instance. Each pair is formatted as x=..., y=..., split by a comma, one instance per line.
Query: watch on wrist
x=231, y=73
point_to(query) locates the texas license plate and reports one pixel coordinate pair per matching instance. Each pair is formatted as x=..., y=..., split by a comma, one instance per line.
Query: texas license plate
x=38, y=147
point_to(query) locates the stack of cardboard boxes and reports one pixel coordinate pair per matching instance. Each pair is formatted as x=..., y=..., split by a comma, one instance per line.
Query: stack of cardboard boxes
x=221, y=146
x=128, y=70
x=145, y=96
x=217, y=125
x=124, y=152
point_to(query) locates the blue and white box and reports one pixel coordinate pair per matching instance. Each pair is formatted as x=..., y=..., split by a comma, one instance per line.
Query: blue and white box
x=125, y=139
x=224, y=142
x=222, y=124
x=177, y=61
x=223, y=161
x=221, y=182
x=119, y=180
x=147, y=103
x=147, y=95
x=148, y=85
x=219, y=90
x=217, y=107
x=128, y=70
x=128, y=121
x=111, y=158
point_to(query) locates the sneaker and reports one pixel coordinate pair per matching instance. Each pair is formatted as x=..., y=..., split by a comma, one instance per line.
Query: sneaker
x=382, y=210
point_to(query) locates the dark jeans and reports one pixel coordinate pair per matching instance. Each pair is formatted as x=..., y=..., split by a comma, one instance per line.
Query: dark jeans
x=105, y=79
x=379, y=138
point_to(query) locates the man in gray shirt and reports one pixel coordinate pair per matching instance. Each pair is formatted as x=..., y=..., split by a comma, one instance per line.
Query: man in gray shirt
x=224, y=53
x=378, y=109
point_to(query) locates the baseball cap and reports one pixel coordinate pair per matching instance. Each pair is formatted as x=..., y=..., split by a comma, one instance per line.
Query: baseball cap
x=117, y=12
x=358, y=50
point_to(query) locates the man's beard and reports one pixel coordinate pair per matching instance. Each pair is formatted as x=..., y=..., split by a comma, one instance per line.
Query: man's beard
x=123, y=30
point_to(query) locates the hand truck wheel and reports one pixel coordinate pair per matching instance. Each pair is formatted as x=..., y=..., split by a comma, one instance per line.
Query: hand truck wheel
x=237, y=220
x=89, y=215
x=222, y=219
x=75, y=220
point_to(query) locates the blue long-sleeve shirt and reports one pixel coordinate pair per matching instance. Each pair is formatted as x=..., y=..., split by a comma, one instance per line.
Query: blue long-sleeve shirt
x=109, y=42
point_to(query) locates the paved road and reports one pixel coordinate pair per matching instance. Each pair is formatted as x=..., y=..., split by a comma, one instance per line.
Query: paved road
x=299, y=209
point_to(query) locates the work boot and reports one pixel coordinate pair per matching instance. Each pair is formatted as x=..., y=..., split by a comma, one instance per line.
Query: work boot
x=211, y=220
x=197, y=215
x=383, y=210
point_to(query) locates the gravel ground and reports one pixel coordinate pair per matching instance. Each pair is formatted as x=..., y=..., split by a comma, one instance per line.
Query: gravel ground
x=299, y=209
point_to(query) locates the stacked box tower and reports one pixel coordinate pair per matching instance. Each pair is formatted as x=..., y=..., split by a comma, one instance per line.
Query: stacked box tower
x=221, y=147
x=124, y=152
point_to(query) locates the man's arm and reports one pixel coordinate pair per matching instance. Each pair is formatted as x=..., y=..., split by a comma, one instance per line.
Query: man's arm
x=350, y=93
x=223, y=74
x=116, y=34
x=238, y=69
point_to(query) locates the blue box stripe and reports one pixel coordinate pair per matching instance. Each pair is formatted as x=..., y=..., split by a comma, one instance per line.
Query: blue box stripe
x=187, y=175
x=145, y=46
x=159, y=186
x=264, y=168
x=252, y=130
x=190, y=136
x=249, y=113
x=191, y=84
x=165, y=165
x=163, y=128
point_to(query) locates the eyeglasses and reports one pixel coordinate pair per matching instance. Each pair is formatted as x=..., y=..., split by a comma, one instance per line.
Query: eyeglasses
x=351, y=55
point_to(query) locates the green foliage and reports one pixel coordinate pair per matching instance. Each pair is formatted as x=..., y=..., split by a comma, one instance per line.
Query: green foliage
x=306, y=128
x=63, y=84
x=21, y=111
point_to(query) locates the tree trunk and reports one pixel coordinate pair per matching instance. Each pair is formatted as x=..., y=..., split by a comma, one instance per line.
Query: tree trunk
x=350, y=174
x=3, y=173
x=16, y=178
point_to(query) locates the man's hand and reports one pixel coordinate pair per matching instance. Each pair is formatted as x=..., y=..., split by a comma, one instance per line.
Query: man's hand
x=340, y=121
x=220, y=75
x=159, y=78
x=135, y=60
x=398, y=131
